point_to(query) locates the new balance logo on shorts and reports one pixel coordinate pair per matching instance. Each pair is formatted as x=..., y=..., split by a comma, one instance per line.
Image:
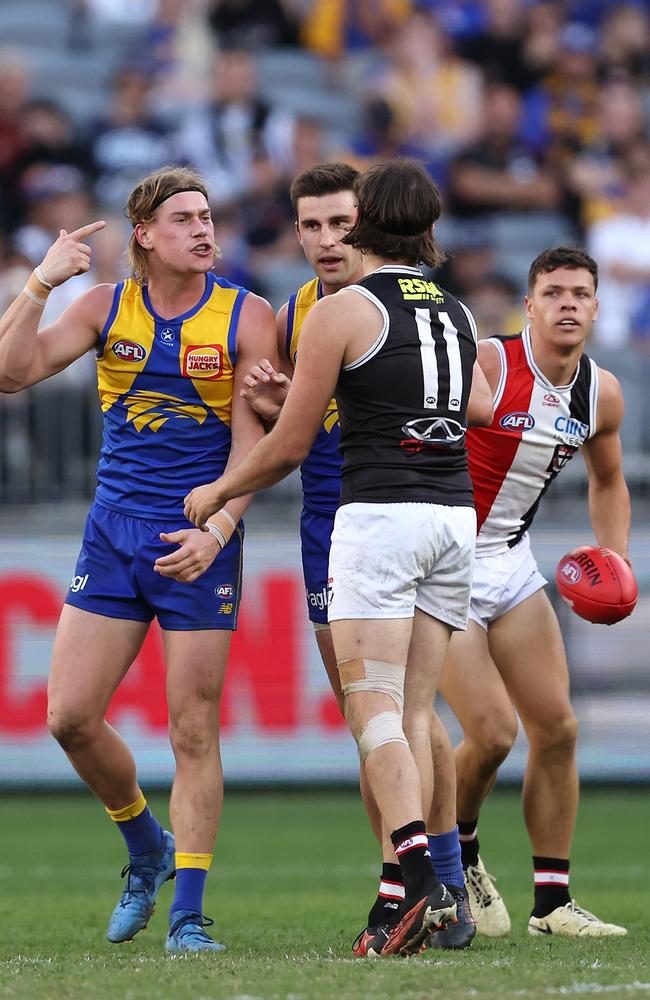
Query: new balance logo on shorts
x=78, y=583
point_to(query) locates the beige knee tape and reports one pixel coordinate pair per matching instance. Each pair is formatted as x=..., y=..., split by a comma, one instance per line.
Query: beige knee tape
x=381, y=729
x=373, y=675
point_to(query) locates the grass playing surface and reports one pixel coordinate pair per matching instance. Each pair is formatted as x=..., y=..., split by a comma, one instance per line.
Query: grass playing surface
x=293, y=878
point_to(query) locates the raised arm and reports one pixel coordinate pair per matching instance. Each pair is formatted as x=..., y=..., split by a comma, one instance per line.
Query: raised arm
x=28, y=355
x=609, y=499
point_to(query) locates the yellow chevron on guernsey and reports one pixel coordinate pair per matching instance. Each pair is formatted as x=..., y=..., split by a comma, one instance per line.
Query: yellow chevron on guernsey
x=331, y=418
x=143, y=409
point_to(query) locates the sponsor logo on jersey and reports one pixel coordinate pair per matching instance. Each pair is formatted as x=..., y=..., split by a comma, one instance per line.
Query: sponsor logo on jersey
x=226, y=608
x=418, y=289
x=573, y=431
x=128, y=350
x=203, y=361
x=550, y=399
x=153, y=410
x=78, y=583
x=433, y=430
x=318, y=598
x=224, y=590
x=167, y=336
x=571, y=572
x=517, y=421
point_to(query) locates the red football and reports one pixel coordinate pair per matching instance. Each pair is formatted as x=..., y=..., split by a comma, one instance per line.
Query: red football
x=597, y=584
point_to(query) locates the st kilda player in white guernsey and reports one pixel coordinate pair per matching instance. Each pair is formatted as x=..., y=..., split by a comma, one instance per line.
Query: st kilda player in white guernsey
x=550, y=400
x=399, y=355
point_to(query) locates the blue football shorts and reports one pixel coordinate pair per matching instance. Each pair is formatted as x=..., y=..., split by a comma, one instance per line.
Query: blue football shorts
x=114, y=576
x=315, y=535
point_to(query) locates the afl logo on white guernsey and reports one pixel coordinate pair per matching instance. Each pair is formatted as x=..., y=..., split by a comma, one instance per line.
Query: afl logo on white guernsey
x=128, y=350
x=518, y=421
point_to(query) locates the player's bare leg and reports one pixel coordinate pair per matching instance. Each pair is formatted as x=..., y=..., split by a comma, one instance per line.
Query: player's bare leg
x=91, y=656
x=477, y=695
x=527, y=644
x=196, y=667
x=375, y=719
x=80, y=687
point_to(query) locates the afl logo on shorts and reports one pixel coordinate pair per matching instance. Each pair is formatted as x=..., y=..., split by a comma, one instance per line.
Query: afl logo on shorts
x=203, y=361
x=518, y=421
x=128, y=350
x=223, y=590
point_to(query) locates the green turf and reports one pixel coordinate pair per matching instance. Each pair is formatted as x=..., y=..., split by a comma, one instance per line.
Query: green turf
x=293, y=878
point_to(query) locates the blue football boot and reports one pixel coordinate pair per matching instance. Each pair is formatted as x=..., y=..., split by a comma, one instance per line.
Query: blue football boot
x=144, y=877
x=187, y=934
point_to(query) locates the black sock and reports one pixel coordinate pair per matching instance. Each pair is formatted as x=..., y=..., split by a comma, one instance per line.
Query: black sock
x=468, y=842
x=551, y=880
x=412, y=850
x=387, y=907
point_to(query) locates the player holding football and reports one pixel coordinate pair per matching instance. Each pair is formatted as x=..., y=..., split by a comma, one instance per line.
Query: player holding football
x=324, y=203
x=172, y=343
x=550, y=400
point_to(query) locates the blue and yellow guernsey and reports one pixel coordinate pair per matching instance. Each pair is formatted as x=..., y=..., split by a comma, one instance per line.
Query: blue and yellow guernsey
x=321, y=470
x=165, y=388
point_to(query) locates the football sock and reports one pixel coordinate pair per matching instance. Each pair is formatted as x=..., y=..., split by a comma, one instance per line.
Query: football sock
x=551, y=879
x=412, y=850
x=446, y=857
x=468, y=842
x=141, y=830
x=387, y=907
x=191, y=873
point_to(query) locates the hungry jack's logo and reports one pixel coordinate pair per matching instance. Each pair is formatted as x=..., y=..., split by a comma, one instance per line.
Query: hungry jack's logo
x=203, y=361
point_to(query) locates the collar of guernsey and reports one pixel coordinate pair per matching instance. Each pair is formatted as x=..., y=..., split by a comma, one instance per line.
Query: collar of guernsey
x=165, y=388
x=321, y=471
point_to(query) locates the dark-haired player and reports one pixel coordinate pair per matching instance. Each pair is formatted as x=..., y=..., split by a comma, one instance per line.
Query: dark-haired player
x=550, y=400
x=172, y=342
x=399, y=352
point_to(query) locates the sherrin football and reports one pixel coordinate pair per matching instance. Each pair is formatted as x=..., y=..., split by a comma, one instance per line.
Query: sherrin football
x=597, y=584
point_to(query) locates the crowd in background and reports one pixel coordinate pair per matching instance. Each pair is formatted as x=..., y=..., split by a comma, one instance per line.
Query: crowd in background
x=533, y=116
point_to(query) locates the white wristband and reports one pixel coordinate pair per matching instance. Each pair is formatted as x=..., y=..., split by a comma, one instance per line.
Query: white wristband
x=34, y=298
x=38, y=271
x=218, y=534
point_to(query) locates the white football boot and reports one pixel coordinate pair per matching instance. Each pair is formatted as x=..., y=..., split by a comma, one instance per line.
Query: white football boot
x=488, y=909
x=571, y=920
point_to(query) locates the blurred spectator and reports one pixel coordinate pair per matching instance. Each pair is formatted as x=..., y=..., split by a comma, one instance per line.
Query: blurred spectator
x=56, y=197
x=561, y=113
x=48, y=137
x=498, y=173
x=334, y=27
x=468, y=261
x=625, y=43
x=496, y=305
x=15, y=83
x=500, y=48
x=594, y=176
x=621, y=245
x=129, y=12
x=235, y=126
x=434, y=95
x=128, y=142
x=253, y=24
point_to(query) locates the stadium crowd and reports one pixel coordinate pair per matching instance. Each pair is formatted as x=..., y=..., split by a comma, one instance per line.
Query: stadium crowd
x=533, y=117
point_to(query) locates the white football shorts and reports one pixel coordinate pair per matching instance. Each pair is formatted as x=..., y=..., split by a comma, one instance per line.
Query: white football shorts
x=502, y=581
x=387, y=559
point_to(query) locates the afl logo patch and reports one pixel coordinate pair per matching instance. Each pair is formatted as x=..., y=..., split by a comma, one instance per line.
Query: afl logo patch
x=203, y=361
x=571, y=572
x=128, y=350
x=518, y=421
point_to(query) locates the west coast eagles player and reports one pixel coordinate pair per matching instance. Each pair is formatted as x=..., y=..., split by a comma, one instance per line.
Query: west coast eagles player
x=172, y=343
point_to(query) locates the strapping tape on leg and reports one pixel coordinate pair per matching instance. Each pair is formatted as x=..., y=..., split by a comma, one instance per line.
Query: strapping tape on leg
x=373, y=675
x=381, y=729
